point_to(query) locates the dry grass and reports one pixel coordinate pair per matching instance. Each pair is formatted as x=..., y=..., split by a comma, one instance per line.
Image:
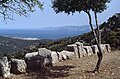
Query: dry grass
x=77, y=69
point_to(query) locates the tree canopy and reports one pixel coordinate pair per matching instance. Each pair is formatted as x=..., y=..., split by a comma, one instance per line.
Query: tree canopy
x=21, y=7
x=72, y=6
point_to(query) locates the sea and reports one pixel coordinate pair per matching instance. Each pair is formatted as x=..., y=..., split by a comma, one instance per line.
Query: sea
x=39, y=34
x=45, y=33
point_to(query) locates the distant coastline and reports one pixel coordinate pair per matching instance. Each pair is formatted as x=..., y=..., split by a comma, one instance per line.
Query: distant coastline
x=46, y=33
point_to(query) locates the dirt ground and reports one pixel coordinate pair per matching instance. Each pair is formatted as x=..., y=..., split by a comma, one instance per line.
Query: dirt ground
x=78, y=69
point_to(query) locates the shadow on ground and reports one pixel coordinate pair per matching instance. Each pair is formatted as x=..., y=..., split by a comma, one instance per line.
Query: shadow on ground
x=54, y=72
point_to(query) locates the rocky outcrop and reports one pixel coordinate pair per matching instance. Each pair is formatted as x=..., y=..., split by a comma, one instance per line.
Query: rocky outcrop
x=108, y=48
x=46, y=54
x=94, y=49
x=88, y=50
x=66, y=54
x=55, y=57
x=78, y=49
x=32, y=60
x=105, y=48
x=18, y=66
x=59, y=56
x=40, y=59
x=4, y=67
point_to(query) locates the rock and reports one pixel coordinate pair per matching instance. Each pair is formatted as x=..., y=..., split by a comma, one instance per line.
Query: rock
x=84, y=53
x=18, y=66
x=64, y=56
x=4, y=67
x=88, y=50
x=108, y=48
x=55, y=57
x=78, y=49
x=59, y=56
x=103, y=47
x=40, y=59
x=67, y=54
x=32, y=60
x=94, y=49
x=46, y=54
x=29, y=55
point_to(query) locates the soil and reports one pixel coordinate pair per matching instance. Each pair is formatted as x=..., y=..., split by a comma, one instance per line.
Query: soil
x=78, y=69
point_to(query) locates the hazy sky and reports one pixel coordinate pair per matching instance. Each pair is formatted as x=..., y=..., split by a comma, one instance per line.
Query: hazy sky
x=48, y=18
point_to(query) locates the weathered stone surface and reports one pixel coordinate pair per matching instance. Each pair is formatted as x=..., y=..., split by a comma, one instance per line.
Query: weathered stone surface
x=103, y=47
x=108, y=48
x=59, y=56
x=46, y=54
x=82, y=51
x=67, y=54
x=18, y=66
x=76, y=51
x=76, y=47
x=88, y=50
x=29, y=55
x=94, y=49
x=4, y=67
x=55, y=57
x=40, y=59
x=64, y=56
x=70, y=54
x=32, y=60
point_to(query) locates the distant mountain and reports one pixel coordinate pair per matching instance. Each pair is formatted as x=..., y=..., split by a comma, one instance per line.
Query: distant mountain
x=47, y=33
x=69, y=28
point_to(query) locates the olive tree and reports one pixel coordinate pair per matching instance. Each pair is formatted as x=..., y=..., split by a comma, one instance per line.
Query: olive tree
x=73, y=6
x=98, y=6
x=21, y=7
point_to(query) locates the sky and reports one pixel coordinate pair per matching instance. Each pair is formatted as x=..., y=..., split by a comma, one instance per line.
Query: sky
x=48, y=18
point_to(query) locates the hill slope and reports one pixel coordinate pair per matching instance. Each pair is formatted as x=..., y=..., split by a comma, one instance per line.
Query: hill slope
x=77, y=69
x=110, y=35
x=10, y=45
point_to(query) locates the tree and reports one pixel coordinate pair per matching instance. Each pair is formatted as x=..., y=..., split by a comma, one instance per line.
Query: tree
x=73, y=6
x=21, y=7
x=98, y=6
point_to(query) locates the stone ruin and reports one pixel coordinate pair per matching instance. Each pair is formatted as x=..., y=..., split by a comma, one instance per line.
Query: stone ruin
x=44, y=58
x=81, y=51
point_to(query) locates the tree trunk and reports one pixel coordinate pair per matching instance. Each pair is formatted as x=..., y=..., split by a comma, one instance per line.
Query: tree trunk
x=99, y=54
x=96, y=21
x=78, y=51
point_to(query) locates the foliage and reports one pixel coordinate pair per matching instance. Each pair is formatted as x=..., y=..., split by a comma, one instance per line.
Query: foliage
x=20, y=7
x=73, y=6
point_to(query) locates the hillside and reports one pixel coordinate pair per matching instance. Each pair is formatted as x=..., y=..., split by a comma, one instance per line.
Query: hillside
x=10, y=45
x=77, y=69
x=110, y=35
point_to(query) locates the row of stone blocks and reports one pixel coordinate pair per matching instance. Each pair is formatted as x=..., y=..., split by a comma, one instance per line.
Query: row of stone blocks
x=44, y=58
x=36, y=60
x=81, y=51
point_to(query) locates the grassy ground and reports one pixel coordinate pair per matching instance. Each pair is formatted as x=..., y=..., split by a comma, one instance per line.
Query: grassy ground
x=77, y=69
